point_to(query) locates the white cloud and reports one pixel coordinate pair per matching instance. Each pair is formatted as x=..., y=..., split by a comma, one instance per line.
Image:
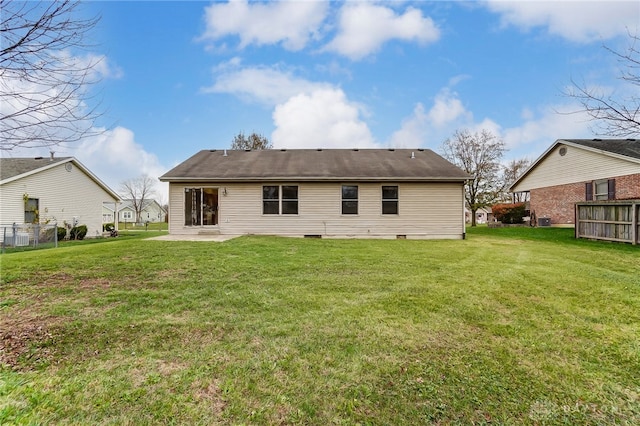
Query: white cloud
x=413, y=131
x=432, y=127
x=537, y=132
x=269, y=86
x=364, y=27
x=319, y=115
x=306, y=114
x=291, y=23
x=52, y=103
x=446, y=108
x=579, y=21
x=324, y=118
x=114, y=156
x=32, y=103
x=100, y=65
x=230, y=65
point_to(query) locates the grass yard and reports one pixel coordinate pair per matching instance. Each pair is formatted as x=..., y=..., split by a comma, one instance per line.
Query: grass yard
x=151, y=226
x=511, y=326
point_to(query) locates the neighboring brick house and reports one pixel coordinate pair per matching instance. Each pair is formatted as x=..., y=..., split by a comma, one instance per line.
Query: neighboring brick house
x=577, y=170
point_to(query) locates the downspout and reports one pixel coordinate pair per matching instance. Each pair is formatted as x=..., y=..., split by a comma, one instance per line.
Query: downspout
x=464, y=223
x=115, y=214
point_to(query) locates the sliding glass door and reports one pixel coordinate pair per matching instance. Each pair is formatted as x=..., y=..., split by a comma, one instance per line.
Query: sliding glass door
x=200, y=206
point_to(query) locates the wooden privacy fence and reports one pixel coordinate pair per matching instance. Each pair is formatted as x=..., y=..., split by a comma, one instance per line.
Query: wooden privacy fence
x=609, y=221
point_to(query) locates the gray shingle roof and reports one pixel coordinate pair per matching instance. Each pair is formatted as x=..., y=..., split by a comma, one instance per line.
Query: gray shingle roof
x=10, y=167
x=626, y=147
x=310, y=164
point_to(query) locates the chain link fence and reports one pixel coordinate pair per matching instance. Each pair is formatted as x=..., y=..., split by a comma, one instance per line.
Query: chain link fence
x=27, y=235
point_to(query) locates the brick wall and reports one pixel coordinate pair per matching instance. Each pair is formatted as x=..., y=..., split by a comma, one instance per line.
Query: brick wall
x=628, y=187
x=557, y=202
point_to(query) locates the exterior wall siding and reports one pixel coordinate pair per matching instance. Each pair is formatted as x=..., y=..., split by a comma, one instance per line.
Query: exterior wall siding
x=577, y=165
x=62, y=196
x=426, y=210
x=558, y=202
x=153, y=213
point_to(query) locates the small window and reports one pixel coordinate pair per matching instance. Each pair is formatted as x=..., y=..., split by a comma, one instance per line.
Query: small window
x=601, y=189
x=389, y=200
x=31, y=210
x=271, y=199
x=349, y=199
x=289, y=199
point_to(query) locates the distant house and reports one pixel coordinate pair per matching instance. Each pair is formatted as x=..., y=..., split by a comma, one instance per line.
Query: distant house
x=339, y=193
x=52, y=190
x=483, y=215
x=578, y=170
x=152, y=211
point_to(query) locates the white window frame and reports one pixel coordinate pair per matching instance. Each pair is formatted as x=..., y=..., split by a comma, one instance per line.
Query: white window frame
x=601, y=195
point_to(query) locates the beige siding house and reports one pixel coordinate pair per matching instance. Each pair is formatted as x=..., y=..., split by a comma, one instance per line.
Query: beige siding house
x=52, y=190
x=330, y=193
x=483, y=215
x=151, y=212
x=578, y=170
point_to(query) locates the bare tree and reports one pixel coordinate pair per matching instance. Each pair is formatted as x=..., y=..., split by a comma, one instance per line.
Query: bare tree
x=510, y=172
x=617, y=115
x=478, y=154
x=43, y=83
x=253, y=141
x=140, y=192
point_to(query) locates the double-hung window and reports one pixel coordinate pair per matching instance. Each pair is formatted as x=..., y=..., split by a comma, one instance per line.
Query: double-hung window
x=604, y=189
x=289, y=199
x=278, y=199
x=271, y=199
x=389, y=200
x=601, y=189
x=31, y=210
x=349, y=199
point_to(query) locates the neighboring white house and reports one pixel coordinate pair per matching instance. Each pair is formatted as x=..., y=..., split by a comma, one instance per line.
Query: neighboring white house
x=151, y=212
x=52, y=190
x=338, y=193
x=483, y=215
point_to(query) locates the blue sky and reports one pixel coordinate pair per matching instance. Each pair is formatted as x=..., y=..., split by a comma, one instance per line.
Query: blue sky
x=178, y=77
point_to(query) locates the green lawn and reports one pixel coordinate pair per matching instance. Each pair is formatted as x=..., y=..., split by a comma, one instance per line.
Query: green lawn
x=151, y=226
x=511, y=326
